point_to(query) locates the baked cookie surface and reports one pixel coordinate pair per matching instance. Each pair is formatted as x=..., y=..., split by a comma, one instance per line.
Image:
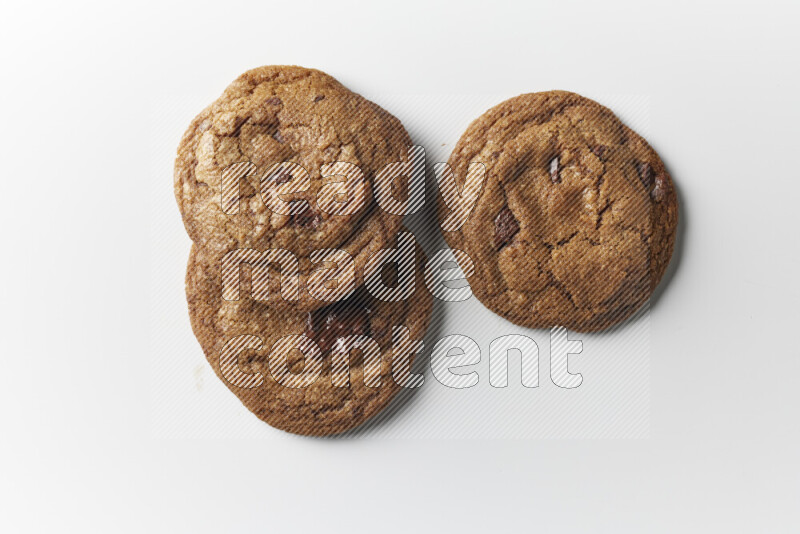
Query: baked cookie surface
x=321, y=408
x=576, y=221
x=276, y=114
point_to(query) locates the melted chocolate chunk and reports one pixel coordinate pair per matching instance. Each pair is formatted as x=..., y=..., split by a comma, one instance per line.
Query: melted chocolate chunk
x=274, y=101
x=307, y=219
x=601, y=151
x=283, y=177
x=645, y=174
x=327, y=325
x=505, y=227
x=390, y=275
x=319, y=97
x=554, y=171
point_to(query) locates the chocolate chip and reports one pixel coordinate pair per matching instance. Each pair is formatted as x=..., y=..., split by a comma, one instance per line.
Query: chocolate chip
x=348, y=318
x=554, y=171
x=390, y=275
x=283, y=177
x=274, y=101
x=600, y=151
x=645, y=174
x=307, y=219
x=319, y=97
x=505, y=227
x=495, y=154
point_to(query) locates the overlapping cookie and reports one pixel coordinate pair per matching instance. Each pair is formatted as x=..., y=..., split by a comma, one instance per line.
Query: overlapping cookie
x=362, y=351
x=286, y=159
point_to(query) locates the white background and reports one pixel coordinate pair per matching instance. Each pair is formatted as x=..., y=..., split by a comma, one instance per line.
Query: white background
x=78, y=451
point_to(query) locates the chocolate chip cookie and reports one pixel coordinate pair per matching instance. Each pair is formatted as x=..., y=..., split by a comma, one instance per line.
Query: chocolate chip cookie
x=286, y=159
x=576, y=220
x=244, y=335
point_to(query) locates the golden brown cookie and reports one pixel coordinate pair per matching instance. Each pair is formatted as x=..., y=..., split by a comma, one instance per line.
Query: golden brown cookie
x=576, y=221
x=224, y=328
x=276, y=114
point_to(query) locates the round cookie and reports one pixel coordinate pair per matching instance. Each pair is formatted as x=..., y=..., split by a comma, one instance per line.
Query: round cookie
x=276, y=114
x=576, y=221
x=321, y=408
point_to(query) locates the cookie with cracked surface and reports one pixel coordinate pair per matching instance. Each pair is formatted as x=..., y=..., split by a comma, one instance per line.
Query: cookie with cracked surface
x=231, y=193
x=323, y=407
x=576, y=221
